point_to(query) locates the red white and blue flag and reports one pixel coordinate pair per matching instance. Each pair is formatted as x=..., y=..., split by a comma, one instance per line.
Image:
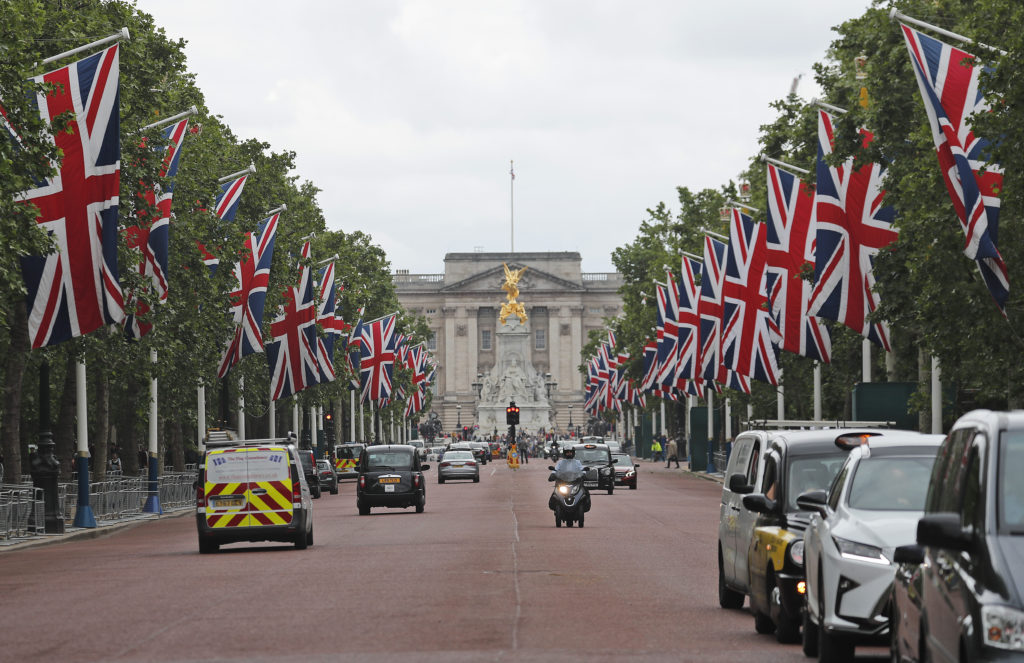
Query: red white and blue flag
x=252, y=276
x=153, y=240
x=747, y=323
x=353, y=350
x=650, y=366
x=852, y=226
x=712, y=282
x=291, y=355
x=75, y=290
x=791, y=236
x=377, y=358
x=949, y=88
x=688, y=322
x=225, y=207
x=332, y=325
x=667, y=330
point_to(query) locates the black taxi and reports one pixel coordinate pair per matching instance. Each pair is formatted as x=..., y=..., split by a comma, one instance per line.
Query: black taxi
x=598, y=463
x=390, y=475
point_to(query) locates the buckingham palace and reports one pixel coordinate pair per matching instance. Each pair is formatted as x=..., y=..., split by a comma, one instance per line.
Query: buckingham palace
x=481, y=361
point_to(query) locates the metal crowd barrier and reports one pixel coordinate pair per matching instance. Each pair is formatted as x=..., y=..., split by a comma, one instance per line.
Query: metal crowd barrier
x=21, y=511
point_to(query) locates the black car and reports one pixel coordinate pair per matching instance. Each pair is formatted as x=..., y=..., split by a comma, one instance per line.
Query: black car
x=958, y=594
x=597, y=461
x=481, y=451
x=391, y=475
x=310, y=472
x=328, y=476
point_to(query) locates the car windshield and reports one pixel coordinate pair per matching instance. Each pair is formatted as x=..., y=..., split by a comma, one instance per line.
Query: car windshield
x=891, y=484
x=592, y=456
x=389, y=460
x=307, y=460
x=811, y=473
x=323, y=464
x=623, y=460
x=1010, y=489
x=458, y=455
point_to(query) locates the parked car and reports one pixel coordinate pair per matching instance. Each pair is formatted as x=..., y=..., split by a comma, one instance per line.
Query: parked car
x=871, y=508
x=252, y=490
x=959, y=593
x=625, y=470
x=391, y=475
x=309, y=470
x=346, y=457
x=327, y=475
x=597, y=461
x=458, y=465
x=760, y=530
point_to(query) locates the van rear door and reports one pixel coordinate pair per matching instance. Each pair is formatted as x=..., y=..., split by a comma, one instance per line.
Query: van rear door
x=248, y=487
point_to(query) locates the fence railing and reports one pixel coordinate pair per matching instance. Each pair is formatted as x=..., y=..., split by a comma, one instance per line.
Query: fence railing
x=116, y=498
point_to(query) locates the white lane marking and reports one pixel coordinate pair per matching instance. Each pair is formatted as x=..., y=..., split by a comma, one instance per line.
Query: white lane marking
x=515, y=573
x=493, y=471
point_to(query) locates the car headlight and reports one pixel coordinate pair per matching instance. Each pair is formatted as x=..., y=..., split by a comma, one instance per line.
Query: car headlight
x=796, y=552
x=1003, y=627
x=859, y=551
x=606, y=470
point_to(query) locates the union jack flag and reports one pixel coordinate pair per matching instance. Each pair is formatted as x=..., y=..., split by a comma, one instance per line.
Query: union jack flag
x=667, y=330
x=333, y=325
x=252, y=275
x=852, y=225
x=949, y=88
x=353, y=355
x=153, y=240
x=713, y=372
x=75, y=290
x=225, y=207
x=790, y=250
x=377, y=358
x=688, y=319
x=650, y=371
x=291, y=356
x=415, y=360
x=746, y=314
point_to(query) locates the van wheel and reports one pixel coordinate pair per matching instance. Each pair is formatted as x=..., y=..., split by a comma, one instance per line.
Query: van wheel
x=334, y=489
x=727, y=598
x=206, y=547
x=422, y=504
x=300, y=541
x=309, y=537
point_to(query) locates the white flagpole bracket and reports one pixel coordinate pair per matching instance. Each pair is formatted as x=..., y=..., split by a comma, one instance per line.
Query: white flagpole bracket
x=281, y=208
x=783, y=164
x=691, y=255
x=327, y=260
x=712, y=233
x=118, y=36
x=895, y=14
x=735, y=203
x=168, y=120
x=251, y=170
x=827, y=106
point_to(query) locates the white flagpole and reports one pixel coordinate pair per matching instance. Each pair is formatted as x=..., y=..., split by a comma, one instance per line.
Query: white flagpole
x=817, y=391
x=241, y=408
x=351, y=415
x=780, y=392
x=865, y=360
x=295, y=416
x=787, y=166
x=118, y=36
x=201, y=418
x=170, y=120
x=511, y=207
x=153, y=499
x=272, y=416
x=894, y=14
x=251, y=170
x=84, y=516
x=936, y=396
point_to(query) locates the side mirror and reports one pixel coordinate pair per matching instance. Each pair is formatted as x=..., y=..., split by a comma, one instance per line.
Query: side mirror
x=943, y=530
x=636, y=466
x=424, y=467
x=738, y=484
x=911, y=554
x=551, y=467
x=758, y=503
x=813, y=500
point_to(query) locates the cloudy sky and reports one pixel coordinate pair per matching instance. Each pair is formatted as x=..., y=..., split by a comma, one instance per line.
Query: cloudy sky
x=406, y=113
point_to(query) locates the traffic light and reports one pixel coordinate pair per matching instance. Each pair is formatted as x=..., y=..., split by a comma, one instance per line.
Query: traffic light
x=512, y=414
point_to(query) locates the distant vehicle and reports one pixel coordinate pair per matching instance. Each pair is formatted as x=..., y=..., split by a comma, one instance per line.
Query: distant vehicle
x=390, y=475
x=327, y=475
x=458, y=465
x=421, y=448
x=346, y=456
x=959, y=592
x=625, y=470
x=597, y=461
x=614, y=446
x=309, y=470
x=481, y=451
x=252, y=490
x=871, y=508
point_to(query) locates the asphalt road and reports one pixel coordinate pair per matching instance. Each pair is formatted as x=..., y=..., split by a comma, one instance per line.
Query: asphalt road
x=482, y=575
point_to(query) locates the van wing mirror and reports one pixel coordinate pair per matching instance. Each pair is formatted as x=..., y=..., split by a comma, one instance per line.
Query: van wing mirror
x=943, y=530
x=758, y=503
x=738, y=484
x=813, y=500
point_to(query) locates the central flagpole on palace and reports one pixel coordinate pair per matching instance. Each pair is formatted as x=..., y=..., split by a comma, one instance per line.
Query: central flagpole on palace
x=512, y=207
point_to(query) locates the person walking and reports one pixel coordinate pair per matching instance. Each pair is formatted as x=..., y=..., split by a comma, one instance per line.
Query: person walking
x=655, y=451
x=672, y=453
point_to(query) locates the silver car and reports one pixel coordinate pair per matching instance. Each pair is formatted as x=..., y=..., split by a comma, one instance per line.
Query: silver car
x=458, y=465
x=872, y=508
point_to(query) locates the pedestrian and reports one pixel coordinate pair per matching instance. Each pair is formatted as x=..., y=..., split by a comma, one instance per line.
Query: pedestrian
x=672, y=453
x=655, y=451
x=115, y=463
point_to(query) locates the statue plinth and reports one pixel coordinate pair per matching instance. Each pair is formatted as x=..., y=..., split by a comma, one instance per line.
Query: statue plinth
x=513, y=378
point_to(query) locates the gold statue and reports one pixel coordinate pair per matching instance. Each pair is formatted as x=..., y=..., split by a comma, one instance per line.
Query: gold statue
x=511, y=287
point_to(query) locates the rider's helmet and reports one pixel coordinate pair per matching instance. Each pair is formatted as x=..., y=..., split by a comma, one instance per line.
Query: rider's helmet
x=569, y=453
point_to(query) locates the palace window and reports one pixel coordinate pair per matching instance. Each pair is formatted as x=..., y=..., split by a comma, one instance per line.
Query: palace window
x=432, y=341
x=540, y=341
x=485, y=339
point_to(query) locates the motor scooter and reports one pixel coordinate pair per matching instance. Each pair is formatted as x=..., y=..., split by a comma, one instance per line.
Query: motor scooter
x=570, y=499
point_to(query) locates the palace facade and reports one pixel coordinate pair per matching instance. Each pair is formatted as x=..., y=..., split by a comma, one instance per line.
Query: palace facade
x=462, y=304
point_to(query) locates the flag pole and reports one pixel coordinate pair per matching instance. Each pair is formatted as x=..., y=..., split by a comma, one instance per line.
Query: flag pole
x=281, y=208
x=736, y=203
x=783, y=164
x=123, y=34
x=169, y=120
x=512, y=207
x=894, y=14
x=251, y=170
x=827, y=106
x=713, y=234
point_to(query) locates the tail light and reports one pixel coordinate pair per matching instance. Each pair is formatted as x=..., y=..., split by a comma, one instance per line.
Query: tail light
x=362, y=483
x=296, y=490
x=471, y=463
x=200, y=494
x=445, y=464
x=415, y=481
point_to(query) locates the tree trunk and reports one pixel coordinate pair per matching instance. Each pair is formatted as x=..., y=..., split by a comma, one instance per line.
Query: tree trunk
x=99, y=461
x=127, y=432
x=64, y=427
x=923, y=382
x=14, y=374
x=176, y=447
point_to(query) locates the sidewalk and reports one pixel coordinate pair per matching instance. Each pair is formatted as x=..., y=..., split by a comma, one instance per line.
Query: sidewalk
x=659, y=467
x=103, y=528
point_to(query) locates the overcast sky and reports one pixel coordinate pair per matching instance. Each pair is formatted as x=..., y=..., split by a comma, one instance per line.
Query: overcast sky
x=406, y=113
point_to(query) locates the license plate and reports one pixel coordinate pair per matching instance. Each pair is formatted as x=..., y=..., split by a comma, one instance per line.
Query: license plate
x=231, y=501
x=590, y=484
x=390, y=488
x=389, y=480
x=457, y=464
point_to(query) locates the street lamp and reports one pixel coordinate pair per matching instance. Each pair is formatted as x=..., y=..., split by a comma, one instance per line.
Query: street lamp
x=458, y=411
x=570, y=419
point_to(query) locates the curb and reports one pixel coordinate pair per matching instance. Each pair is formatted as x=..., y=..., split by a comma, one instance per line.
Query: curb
x=101, y=530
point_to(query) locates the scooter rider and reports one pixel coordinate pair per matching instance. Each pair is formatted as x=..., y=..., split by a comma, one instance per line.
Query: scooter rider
x=568, y=461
